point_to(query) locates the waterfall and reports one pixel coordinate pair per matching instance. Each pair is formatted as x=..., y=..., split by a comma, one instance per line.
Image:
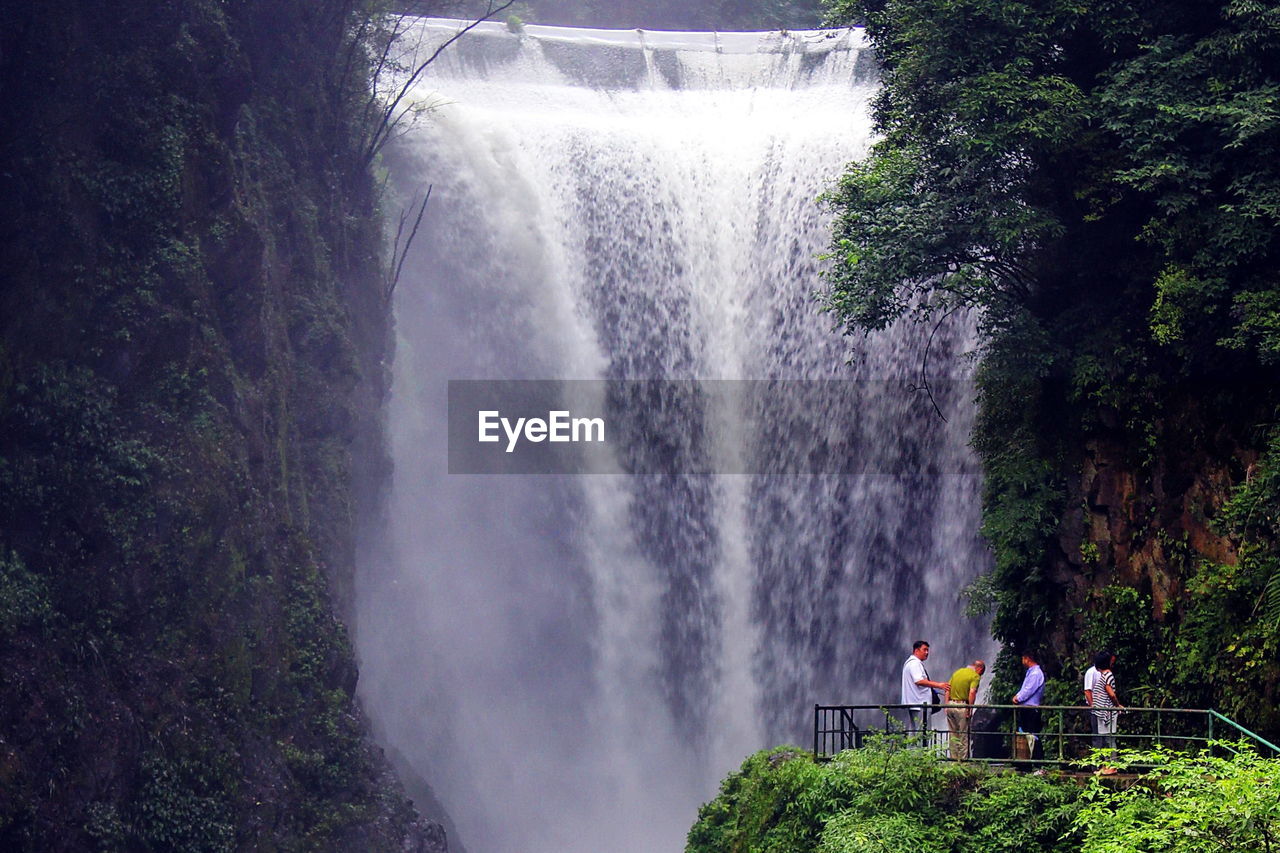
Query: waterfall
x=573, y=662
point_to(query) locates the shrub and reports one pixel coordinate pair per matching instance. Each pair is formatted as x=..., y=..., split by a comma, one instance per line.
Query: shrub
x=1188, y=805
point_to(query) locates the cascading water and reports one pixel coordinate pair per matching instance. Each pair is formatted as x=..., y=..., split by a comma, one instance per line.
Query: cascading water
x=574, y=661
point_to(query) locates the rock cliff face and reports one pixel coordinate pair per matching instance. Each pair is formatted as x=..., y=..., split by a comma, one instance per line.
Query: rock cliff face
x=1151, y=558
x=192, y=334
x=1137, y=526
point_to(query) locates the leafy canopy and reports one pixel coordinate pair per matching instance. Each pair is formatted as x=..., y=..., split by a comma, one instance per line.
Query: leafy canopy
x=1099, y=181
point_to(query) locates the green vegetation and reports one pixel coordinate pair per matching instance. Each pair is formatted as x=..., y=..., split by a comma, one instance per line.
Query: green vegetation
x=1098, y=184
x=1231, y=630
x=885, y=799
x=1189, y=805
x=191, y=356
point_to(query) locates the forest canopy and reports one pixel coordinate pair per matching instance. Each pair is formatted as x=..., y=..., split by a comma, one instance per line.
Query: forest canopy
x=1029, y=148
x=1097, y=184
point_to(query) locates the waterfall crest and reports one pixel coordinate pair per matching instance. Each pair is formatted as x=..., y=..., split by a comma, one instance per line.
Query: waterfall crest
x=573, y=662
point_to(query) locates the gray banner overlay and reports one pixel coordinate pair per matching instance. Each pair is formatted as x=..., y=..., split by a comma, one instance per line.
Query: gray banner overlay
x=764, y=427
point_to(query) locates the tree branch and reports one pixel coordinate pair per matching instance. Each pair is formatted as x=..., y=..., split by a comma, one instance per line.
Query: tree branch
x=397, y=265
x=924, y=363
x=390, y=119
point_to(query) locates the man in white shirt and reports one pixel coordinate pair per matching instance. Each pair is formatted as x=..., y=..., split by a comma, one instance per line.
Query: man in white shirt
x=917, y=689
x=1090, y=676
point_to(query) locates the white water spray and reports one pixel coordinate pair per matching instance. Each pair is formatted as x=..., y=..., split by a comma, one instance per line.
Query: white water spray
x=573, y=662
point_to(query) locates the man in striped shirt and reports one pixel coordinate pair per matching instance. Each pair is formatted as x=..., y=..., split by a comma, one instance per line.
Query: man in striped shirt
x=1090, y=679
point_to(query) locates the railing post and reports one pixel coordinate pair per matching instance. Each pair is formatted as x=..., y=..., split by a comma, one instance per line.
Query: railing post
x=816, y=715
x=1013, y=741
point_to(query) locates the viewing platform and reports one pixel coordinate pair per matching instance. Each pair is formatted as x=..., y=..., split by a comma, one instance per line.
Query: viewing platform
x=999, y=733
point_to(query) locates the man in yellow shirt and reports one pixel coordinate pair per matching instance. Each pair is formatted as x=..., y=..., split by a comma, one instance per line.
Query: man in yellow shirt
x=961, y=695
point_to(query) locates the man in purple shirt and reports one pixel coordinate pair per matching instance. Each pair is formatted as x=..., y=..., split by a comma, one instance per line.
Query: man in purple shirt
x=1030, y=695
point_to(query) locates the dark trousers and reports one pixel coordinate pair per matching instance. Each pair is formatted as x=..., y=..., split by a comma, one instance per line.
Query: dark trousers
x=1030, y=721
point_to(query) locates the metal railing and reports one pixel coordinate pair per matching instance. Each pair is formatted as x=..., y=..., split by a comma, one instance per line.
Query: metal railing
x=1045, y=734
x=1241, y=730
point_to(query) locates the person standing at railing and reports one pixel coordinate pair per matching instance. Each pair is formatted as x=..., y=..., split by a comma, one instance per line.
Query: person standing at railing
x=962, y=693
x=1091, y=676
x=917, y=689
x=1106, y=704
x=1031, y=695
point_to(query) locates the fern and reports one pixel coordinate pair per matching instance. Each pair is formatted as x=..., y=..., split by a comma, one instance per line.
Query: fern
x=1269, y=601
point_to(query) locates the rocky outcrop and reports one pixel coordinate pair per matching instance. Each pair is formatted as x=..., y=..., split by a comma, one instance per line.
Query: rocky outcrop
x=193, y=332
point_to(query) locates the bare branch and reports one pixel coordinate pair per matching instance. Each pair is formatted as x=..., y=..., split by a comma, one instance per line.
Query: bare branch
x=397, y=265
x=390, y=118
x=384, y=58
x=356, y=40
x=924, y=363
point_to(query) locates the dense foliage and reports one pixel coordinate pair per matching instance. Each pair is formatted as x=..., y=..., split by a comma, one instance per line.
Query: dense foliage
x=1098, y=183
x=885, y=799
x=193, y=328
x=1189, y=804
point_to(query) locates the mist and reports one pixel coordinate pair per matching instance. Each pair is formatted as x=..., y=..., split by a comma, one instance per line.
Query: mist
x=573, y=662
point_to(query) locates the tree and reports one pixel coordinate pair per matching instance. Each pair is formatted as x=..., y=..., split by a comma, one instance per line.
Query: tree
x=1099, y=182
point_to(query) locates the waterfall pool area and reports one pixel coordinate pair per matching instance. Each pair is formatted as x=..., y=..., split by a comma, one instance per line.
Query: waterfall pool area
x=573, y=661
